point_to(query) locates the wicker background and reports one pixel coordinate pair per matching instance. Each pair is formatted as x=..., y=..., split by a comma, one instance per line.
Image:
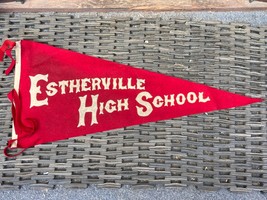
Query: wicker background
x=223, y=149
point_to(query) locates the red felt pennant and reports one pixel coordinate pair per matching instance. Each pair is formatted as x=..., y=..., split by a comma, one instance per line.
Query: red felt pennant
x=61, y=94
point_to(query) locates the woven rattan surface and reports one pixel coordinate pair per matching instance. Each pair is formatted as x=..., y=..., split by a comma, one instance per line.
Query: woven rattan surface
x=222, y=149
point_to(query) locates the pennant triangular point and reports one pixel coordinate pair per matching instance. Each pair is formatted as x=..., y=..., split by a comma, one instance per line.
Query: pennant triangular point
x=63, y=94
x=226, y=100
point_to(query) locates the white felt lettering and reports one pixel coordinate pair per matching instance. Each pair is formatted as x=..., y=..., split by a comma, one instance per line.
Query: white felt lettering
x=50, y=89
x=146, y=108
x=34, y=90
x=91, y=109
x=148, y=102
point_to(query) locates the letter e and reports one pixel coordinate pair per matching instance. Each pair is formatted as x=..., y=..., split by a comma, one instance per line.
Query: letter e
x=34, y=90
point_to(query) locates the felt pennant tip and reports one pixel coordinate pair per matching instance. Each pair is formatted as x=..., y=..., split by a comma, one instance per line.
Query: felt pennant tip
x=248, y=100
x=256, y=100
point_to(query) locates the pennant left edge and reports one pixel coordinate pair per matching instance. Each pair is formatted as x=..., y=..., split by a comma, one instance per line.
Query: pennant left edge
x=16, y=87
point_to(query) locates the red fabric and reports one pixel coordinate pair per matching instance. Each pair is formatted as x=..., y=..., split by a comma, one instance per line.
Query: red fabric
x=123, y=95
x=7, y=47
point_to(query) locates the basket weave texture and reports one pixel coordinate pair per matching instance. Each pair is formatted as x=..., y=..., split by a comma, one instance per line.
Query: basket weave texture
x=222, y=149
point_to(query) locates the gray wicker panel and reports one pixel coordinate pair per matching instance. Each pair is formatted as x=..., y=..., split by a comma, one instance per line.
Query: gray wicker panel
x=222, y=149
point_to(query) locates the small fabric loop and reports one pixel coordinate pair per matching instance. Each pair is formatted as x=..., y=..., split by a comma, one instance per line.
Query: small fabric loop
x=12, y=64
x=7, y=47
x=9, y=147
